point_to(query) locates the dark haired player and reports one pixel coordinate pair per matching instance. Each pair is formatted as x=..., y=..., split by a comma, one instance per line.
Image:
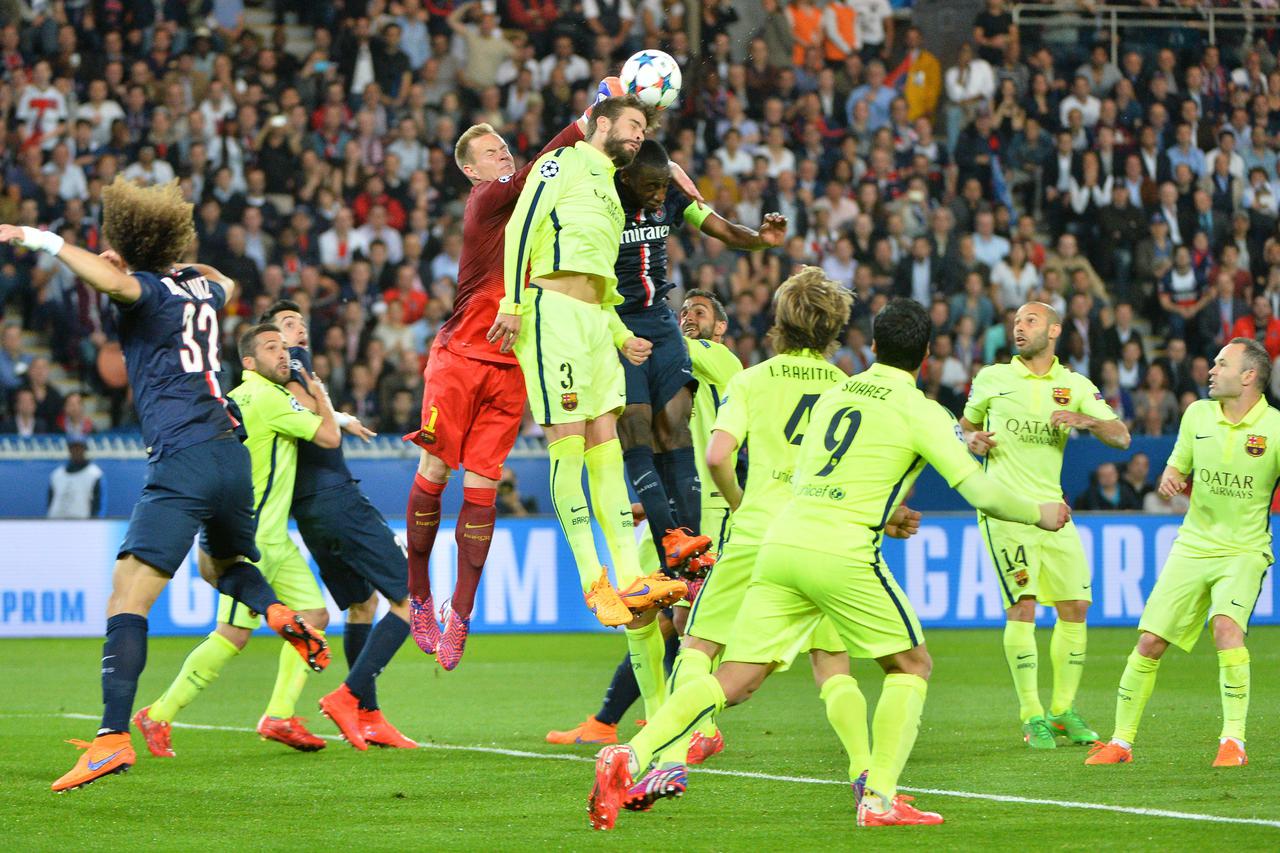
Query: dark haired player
x=654, y=427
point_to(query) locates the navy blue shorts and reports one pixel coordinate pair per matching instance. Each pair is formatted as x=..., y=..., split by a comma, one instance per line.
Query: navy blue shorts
x=351, y=543
x=206, y=488
x=668, y=368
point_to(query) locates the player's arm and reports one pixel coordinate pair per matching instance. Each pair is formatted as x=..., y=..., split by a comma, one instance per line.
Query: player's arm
x=228, y=283
x=98, y=273
x=346, y=423
x=287, y=416
x=722, y=460
x=727, y=435
x=1095, y=417
x=634, y=349
x=940, y=441
x=535, y=204
x=772, y=233
x=978, y=440
x=1174, y=479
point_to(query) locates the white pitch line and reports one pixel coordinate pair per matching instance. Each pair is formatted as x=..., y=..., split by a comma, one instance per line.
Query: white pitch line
x=771, y=777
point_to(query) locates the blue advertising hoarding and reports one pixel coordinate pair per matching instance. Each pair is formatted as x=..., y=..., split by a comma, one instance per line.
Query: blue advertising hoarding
x=56, y=577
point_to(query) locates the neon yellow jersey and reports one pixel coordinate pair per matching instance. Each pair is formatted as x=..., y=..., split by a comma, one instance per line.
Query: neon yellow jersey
x=569, y=219
x=1234, y=469
x=275, y=420
x=714, y=365
x=867, y=441
x=1015, y=404
x=767, y=407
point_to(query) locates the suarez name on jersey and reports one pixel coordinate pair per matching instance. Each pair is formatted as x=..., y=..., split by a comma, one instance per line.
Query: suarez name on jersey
x=170, y=342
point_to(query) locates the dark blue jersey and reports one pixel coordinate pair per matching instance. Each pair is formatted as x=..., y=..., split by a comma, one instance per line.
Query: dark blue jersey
x=170, y=341
x=642, y=258
x=319, y=468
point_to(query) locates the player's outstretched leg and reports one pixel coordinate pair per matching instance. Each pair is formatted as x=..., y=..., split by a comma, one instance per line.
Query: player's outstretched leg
x=474, y=534
x=200, y=669
x=422, y=522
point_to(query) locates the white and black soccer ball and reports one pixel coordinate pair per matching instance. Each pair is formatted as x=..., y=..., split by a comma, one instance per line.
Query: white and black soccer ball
x=653, y=77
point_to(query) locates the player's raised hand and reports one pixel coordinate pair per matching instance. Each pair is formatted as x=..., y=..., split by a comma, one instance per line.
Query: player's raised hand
x=313, y=385
x=1053, y=516
x=980, y=442
x=903, y=524
x=1172, y=482
x=773, y=231
x=358, y=429
x=10, y=234
x=636, y=350
x=503, y=332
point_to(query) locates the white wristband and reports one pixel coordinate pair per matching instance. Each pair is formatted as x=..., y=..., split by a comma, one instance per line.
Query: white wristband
x=343, y=419
x=41, y=241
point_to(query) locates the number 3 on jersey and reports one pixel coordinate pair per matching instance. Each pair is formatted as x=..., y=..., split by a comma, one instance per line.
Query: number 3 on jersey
x=202, y=318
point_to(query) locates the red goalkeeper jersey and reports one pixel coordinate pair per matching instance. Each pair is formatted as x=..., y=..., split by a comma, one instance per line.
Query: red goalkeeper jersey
x=480, y=286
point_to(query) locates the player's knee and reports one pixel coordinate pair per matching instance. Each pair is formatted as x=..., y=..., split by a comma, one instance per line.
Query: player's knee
x=362, y=612
x=1023, y=610
x=634, y=426
x=1151, y=646
x=1227, y=633
x=399, y=608
x=679, y=619
x=318, y=619
x=135, y=586
x=1072, y=611
x=238, y=637
x=433, y=468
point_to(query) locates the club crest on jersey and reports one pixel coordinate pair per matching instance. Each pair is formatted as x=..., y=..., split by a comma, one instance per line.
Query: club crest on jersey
x=549, y=169
x=1062, y=396
x=505, y=179
x=569, y=401
x=1021, y=578
x=1255, y=445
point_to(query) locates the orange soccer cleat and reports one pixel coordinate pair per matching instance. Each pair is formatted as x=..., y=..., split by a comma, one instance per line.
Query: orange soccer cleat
x=702, y=747
x=613, y=779
x=603, y=602
x=289, y=731
x=1230, y=754
x=1109, y=753
x=379, y=732
x=155, y=733
x=343, y=708
x=652, y=592
x=681, y=544
x=901, y=814
x=107, y=754
x=295, y=630
x=589, y=730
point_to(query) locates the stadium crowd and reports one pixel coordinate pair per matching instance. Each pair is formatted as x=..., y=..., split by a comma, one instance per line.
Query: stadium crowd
x=1139, y=198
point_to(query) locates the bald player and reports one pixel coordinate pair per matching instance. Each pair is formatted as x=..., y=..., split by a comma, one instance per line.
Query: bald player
x=1018, y=417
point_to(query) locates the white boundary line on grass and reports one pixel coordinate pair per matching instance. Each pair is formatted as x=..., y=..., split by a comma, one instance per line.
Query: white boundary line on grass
x=772, y=777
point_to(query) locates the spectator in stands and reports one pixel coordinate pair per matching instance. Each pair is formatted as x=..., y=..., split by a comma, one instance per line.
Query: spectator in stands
x=1107, y=492
x=919, y=77
x=1115, y=395
x=1221, y=316
x=1155, y=405
x=993, y=31
x=75, y=489
x=970, y=85
x=1261, y=325
x=24, y=422
x=48, y=399
x=13, y=361
x=1137, y=474
x=1181, y=294
x=510, y=502
x=72, y=420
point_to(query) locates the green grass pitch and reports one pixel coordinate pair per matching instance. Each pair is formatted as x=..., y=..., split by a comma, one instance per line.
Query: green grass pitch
x=228, y=789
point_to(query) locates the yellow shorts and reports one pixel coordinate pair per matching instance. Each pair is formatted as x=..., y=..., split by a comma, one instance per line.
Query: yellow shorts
x=719, y=614
x=1049, y=567
x=795, y=589
x=571, y=368
x=1193, y=588
x=284, y=567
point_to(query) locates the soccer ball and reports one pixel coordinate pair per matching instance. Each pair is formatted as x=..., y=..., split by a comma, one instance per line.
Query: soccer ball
x=653, y=77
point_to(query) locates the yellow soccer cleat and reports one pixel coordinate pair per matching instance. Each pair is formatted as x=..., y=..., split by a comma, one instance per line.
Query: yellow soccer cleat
x=603, y=602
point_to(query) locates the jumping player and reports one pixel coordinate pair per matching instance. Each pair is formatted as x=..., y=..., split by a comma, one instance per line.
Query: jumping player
x=199, y=476
x=561, y=247
x=474, y=395
x=654, y=427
